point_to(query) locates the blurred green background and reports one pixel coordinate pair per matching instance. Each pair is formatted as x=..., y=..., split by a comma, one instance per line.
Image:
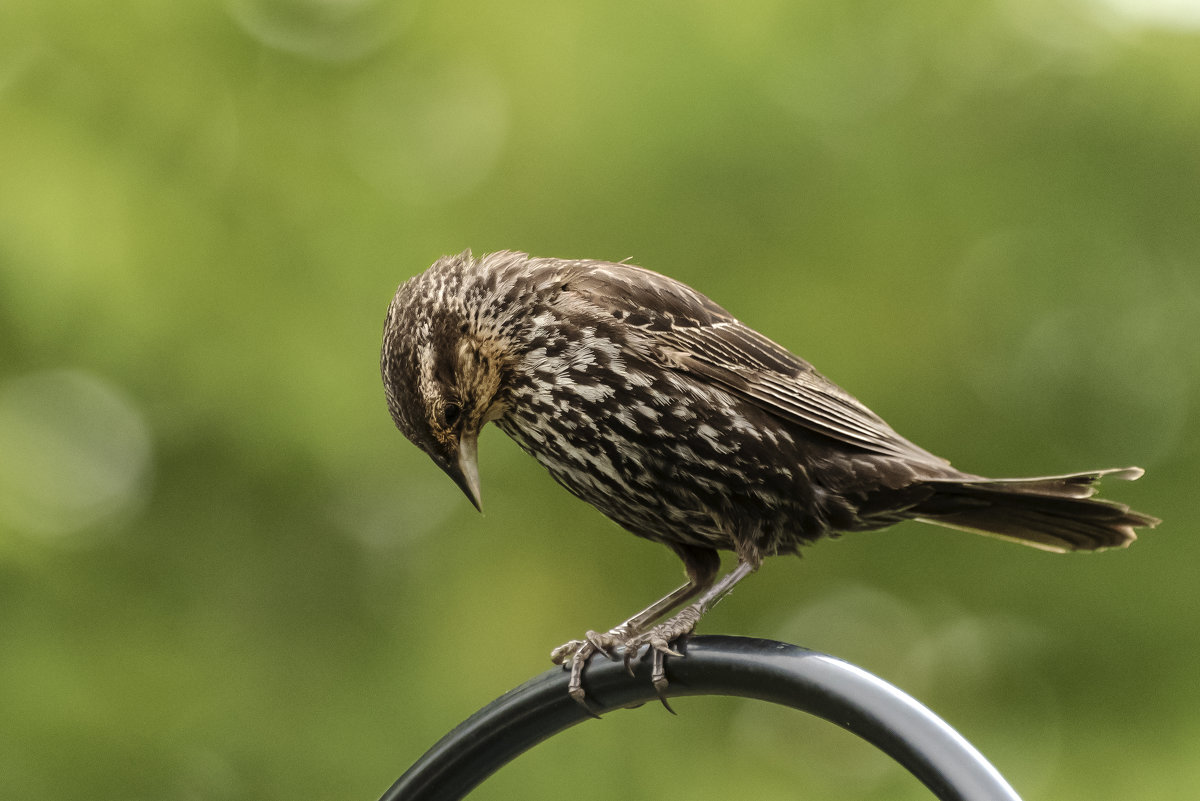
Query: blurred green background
x=223, y=573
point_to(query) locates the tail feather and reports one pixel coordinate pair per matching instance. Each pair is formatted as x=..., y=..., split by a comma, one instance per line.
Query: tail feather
x=1053, y=513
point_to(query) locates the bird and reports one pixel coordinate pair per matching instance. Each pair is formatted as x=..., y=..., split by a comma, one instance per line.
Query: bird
x=647, y=400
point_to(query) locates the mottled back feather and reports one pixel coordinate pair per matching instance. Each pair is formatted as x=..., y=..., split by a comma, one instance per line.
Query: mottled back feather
x=692, y=333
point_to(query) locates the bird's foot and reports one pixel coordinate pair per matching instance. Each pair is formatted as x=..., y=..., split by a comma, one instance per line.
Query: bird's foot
x=660, y=639
x=627, y=643
x=578, y=652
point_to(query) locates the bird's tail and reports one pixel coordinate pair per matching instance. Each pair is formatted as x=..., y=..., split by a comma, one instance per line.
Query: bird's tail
x=1054, y=513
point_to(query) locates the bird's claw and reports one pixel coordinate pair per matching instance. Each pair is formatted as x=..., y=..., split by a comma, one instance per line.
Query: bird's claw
x=659, y=639
x=593, y=642
x=564, y=652
x=578, y=652
x=575, y=685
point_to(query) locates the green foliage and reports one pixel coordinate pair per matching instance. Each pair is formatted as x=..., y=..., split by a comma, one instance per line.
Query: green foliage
x=224, y=575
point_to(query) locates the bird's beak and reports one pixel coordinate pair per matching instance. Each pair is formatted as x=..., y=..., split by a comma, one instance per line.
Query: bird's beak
x=465, y=471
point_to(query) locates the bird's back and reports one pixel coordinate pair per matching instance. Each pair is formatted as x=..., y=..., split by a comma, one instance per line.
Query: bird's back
x=615, y=391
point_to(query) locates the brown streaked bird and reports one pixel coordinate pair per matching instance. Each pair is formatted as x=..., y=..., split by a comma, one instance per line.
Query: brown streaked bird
x=656, y=406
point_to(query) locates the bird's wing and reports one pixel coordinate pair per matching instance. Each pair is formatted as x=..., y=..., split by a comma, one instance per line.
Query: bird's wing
x=725, y=354
x=694, y=334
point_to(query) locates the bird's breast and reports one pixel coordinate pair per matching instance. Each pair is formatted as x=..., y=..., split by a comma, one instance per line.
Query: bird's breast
x=668, y=457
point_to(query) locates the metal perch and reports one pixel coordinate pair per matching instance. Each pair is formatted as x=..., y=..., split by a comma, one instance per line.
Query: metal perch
x=784, y=674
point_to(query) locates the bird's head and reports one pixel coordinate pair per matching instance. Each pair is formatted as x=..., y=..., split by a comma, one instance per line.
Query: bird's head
x=442, y=376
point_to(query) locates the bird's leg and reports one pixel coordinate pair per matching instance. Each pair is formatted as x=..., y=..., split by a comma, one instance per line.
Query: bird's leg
x=661, y=636
x=701, y=565
x=617, y=635
x=580, y=651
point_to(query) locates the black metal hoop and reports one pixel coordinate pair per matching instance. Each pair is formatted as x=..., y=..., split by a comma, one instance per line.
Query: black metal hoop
x=784, y=674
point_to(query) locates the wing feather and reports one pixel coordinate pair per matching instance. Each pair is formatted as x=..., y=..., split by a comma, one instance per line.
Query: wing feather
x=690, y=332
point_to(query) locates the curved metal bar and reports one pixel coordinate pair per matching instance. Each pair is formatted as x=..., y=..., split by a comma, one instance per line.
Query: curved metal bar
x=784, y=674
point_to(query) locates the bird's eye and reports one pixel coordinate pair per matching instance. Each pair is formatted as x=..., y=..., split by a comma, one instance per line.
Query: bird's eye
x=451, y=412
